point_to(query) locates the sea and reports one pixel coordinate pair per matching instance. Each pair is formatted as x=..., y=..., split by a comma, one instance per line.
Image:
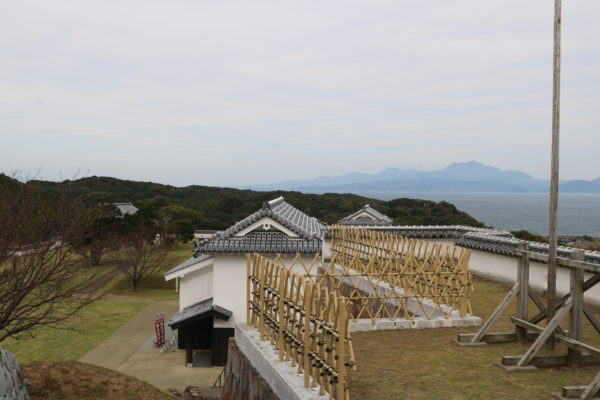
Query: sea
x=578, y=213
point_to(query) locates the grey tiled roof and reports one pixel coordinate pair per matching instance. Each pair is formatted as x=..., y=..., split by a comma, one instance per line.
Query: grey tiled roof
x=197, y=258
x=507, y=246
x=436, y=231
x=354, y=219
x=308, y=229
x=198, y=311
x=363, y=222
x=260, y=242
x=126, y=208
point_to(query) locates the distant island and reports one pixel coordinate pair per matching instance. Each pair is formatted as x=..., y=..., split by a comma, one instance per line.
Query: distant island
x=469, y=176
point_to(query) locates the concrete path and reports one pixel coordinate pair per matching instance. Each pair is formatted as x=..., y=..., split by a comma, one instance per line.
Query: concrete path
x=167, y=370
x=123, y=351
x=113, y=351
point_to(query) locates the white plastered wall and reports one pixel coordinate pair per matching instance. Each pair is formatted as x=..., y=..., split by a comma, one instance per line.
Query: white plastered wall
x=229, y=288
x=502, y=268
x=229, y=285
x=196, y=286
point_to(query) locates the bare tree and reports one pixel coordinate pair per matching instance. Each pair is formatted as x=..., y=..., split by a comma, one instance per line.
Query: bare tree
x=141, y=255
x=96, y=239
x=40, y=277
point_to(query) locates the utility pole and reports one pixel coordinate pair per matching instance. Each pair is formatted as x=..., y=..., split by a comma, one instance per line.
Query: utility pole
x=552, y=239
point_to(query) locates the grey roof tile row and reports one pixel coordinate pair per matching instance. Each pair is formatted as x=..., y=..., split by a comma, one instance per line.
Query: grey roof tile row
x=260, y=242
x=364, y=222
x=197, y=311
x=436, y=231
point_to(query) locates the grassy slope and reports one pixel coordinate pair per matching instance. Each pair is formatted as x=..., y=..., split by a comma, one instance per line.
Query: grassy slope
x=76, y=381
x=85, y=330
x=98, y=321
x=423, y=364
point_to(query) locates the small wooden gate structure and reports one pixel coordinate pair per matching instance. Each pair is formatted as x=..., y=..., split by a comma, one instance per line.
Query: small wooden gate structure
x=527, y=328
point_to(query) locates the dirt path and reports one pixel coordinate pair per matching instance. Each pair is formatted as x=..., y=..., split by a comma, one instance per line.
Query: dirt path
x=100, y=281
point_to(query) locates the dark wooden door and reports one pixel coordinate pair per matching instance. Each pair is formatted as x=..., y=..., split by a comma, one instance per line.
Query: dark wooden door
x=220, y=340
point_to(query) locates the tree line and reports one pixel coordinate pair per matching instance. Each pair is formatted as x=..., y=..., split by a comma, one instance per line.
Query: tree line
x=184, y=209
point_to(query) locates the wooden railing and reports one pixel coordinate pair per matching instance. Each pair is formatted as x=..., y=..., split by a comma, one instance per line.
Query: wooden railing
x=306, y=322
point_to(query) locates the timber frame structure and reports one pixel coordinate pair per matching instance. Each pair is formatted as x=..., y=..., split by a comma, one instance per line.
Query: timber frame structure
x=527, y=328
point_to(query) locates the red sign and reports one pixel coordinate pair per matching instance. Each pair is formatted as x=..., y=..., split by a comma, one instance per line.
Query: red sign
x=159, y=328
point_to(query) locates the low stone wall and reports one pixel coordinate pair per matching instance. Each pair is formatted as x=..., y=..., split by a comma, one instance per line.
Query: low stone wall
x=13, y=385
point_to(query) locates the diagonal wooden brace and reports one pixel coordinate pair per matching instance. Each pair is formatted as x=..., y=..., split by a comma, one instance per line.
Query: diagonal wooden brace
x=496, y=314
x=592, y=388
x=546, y=333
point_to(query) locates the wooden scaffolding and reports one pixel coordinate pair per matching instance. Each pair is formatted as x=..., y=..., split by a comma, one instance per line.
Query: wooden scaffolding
x=583, y=276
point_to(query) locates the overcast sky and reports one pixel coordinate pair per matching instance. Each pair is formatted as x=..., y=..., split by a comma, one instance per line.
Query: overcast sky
x=239, y=92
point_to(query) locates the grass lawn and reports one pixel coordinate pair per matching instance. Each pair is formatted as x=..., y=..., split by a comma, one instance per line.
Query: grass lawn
x=423, y=364
x=155, y=288
x=89, y=327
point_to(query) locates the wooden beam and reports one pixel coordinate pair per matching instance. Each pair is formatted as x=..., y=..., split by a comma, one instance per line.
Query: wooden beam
x=573, y=392
x=544, y=360
x=526, y=324
x=576, y=312
x=573, y=344
x=546, y=333
x=590, y=283
x=550, y=360
x=492, y=338
x=536, y=300
x=592, y=388
x=552, y=238
x=522, y=295
x=496, y=314
x=587, y=311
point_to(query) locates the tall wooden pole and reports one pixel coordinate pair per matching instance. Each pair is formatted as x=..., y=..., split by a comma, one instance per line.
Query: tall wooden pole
x=552, y=239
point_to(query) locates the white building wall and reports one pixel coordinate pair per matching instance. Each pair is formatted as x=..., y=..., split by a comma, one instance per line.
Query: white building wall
x=502, y=268
x=195, y=287
x=230, y=288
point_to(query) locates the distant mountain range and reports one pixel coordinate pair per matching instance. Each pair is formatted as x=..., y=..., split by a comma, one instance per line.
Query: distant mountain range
x=470, y=176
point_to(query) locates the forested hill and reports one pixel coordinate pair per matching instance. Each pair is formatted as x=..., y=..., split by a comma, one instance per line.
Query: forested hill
x=203, y=207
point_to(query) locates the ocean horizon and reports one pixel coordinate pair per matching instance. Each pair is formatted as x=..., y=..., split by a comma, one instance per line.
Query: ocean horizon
x=578, y=213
